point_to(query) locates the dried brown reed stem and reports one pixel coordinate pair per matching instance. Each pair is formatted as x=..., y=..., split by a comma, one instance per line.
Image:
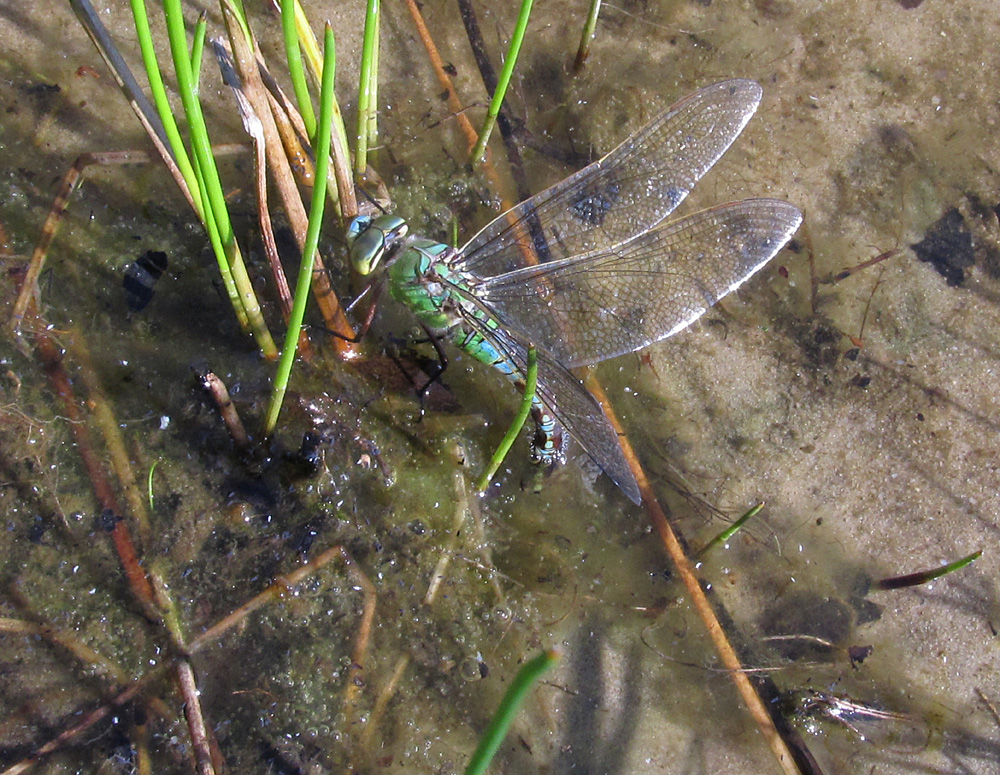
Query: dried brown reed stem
x=247, y=59
x=52, y=364
x=230, y=417
x=685, y=569
x=28, y=295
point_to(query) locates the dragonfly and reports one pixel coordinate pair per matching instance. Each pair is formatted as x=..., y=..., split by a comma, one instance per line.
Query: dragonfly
x=591, y=268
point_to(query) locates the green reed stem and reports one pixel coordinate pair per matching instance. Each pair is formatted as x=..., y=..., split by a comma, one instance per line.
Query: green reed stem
x=530, y=385
x=293, y=55
x=499, y=725
x=240, y=288
x=198, y=48
x=342, y=195
x=367, y=89
x=197, y=127
x=730, y=531
x=193, y=177
x=503, y=82
x=159, y=93
x=304, y=280
x=588, y=35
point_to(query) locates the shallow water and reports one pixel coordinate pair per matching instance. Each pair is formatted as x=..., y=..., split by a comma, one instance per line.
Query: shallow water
x=875, y=456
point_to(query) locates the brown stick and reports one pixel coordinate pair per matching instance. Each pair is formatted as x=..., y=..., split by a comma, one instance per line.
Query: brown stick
x=275, y=590
x=245, y=56
x=120, y=536
x=230, y=417
x=28, y=296
x=67, y=735
x=195, y=719
x=110, y=430
x=699, y=600
x=356, y=669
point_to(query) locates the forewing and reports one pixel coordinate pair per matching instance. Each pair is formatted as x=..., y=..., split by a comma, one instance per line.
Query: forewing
x=588, y=308
x=625, y=193
x=570, y=403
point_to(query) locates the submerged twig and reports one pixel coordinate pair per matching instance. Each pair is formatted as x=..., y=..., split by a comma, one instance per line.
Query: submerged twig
x=364, y=633
x=195, y=719
x=685, y=569
x=28, y=295
x=274, y=591
x=461, y=506
x=454, y=103
x=230, y=417
x=117, y=527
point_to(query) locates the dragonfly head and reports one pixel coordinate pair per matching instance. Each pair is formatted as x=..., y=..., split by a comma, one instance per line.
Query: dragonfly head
x=372, y=239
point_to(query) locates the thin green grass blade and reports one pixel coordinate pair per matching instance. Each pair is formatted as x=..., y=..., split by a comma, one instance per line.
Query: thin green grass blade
x=530, y=384
x=149, y=486
x=293, y=56
x=367, y=91
x=193, y=177
x=504, y=81
x=308, y=42
x=924, y=576
x=372, y=126
x=730, y=531
x=198, y=48
x=499, y=725
x=302, y=284
x=219, y=251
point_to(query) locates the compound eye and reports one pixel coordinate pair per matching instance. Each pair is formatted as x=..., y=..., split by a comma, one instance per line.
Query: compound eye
x=367, y=249
x=357, y=227
x=392, y=226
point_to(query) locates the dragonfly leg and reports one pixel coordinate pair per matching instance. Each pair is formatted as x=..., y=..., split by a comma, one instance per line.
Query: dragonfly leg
x=366, y=323
x=437, y=371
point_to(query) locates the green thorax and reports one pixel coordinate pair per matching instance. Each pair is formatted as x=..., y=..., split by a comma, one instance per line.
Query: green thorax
x=421, y=278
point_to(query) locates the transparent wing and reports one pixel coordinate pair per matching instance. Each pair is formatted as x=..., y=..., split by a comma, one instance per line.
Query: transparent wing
x=627, y=192
x=570, y=403
x=592, y=307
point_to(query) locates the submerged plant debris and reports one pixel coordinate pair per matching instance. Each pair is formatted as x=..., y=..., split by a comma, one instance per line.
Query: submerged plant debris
x=347, y=603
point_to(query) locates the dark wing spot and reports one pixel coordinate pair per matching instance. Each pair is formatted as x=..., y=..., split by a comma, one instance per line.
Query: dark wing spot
x=593, y=206
x=632, y=320
x=674, y=195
